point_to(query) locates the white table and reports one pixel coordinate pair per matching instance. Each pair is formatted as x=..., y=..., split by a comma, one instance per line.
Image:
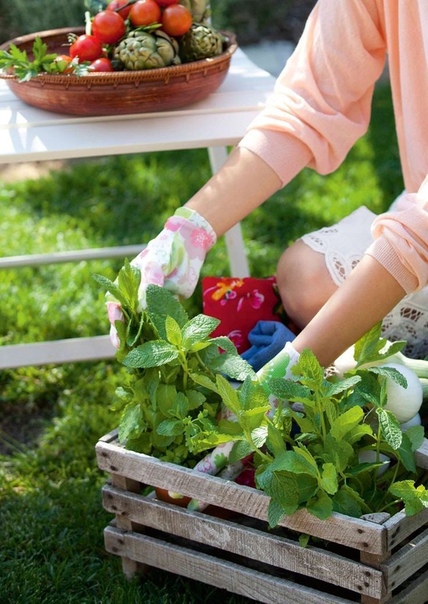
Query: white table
x=29, y=134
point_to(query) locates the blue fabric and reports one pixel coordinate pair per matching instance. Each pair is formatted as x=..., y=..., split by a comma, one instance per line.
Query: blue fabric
x=267, y=338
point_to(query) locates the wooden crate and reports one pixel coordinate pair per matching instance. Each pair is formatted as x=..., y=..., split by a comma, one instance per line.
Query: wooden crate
x=371, y=560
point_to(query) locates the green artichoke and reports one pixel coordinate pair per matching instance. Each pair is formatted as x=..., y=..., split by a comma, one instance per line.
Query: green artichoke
x=200, y=9
x=144, y=50
x=200, y=42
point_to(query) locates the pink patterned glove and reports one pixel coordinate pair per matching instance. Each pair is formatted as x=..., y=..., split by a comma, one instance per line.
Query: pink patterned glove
x=172, y=260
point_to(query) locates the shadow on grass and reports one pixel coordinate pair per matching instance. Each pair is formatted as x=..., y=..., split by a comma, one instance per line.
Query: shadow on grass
x=55, y=553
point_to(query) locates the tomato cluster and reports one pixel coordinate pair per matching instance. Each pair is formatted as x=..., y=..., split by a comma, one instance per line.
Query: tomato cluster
x=109, y=26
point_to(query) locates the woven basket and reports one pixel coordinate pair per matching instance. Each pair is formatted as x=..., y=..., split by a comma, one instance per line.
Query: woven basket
x=121, y=92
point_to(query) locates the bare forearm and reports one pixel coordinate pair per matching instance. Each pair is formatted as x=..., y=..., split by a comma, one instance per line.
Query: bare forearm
x=363, y=300
x=243, y=183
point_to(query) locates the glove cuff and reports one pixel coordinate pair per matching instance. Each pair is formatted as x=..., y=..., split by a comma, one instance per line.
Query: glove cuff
x=197, y=220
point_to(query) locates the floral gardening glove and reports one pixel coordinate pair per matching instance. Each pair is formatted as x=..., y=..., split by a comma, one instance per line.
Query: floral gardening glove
x=172, y=260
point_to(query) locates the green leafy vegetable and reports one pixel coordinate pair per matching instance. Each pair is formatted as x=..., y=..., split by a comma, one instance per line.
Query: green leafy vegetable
x=309, y=455
x=173, y=363
x=321, y=446
x=42, y=61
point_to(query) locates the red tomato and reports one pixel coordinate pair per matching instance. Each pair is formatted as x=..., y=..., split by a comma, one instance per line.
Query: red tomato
x=167, y=2
x=176, y=20
x=108, y=27
x=145, y=12
x=116, y=5
x=101, y=64
x=86, y=48
x=63, y=63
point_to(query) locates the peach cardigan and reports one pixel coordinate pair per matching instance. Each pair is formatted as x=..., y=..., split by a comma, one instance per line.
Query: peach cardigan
x=321, y=106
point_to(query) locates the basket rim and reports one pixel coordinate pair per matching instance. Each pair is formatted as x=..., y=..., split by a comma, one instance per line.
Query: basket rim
x=116, y=78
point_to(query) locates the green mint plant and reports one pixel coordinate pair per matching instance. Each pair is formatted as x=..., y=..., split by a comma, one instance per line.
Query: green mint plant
x=172, y=366
x=310, y=451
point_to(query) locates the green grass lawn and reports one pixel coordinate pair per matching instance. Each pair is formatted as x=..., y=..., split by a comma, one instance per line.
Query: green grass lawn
x=51, y=544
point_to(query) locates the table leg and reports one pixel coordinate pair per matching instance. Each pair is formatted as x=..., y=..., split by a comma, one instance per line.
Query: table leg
x=234, y=240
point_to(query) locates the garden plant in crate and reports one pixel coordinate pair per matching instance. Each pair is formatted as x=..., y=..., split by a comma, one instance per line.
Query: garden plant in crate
x=172, y=365
x=328, y=443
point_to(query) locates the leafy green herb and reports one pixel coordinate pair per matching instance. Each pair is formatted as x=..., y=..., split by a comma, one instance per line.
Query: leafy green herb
x=310, y=450
x=42, y=62
x=415, y=498
x=172, y=364
x=312, y=455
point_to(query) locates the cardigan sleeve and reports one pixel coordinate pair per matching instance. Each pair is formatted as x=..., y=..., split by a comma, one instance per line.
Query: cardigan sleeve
x=401, y=240
x=322, y=99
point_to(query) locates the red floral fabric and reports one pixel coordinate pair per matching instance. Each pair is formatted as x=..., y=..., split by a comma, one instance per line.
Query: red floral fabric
x=240, y=304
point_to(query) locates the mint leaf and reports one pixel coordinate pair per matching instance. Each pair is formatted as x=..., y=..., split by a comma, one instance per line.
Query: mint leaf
x=170, y=427
x=339, y=453
x=112, y=288
x=284, y=489
x=390, y=428
x=275, y=513
x=334, y=388
x=288, y=390
x=131, y=422
x=259, y=435
x=203, y=380
x=320, y=506
x=228, y=394
x=195, y=399
x=173, y=331
x=406, y=454
x=165, y=397
x=302, y=461
x=345, y=503
x=197, y=330
x=151, y=354
x=416, y=435
x=415, y=498
x=329, y=479
x=275, y=441
x=368, y=348
x=233, y=366
x=161, y=304
x=252, y=394
x=390, y=372
x=309, y=370
x=241, y=449
x=345, y=423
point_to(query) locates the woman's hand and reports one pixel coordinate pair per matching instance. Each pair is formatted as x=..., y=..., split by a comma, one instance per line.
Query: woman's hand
x=172, y=260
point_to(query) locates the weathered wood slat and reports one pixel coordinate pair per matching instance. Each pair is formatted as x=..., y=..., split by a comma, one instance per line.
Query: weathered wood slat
x=415, y=593
x=406, y=561
x=242, y=555
x=422, y=455
x=223, y=574
x=352, y=532
x=251, y=543
x=400, y=526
